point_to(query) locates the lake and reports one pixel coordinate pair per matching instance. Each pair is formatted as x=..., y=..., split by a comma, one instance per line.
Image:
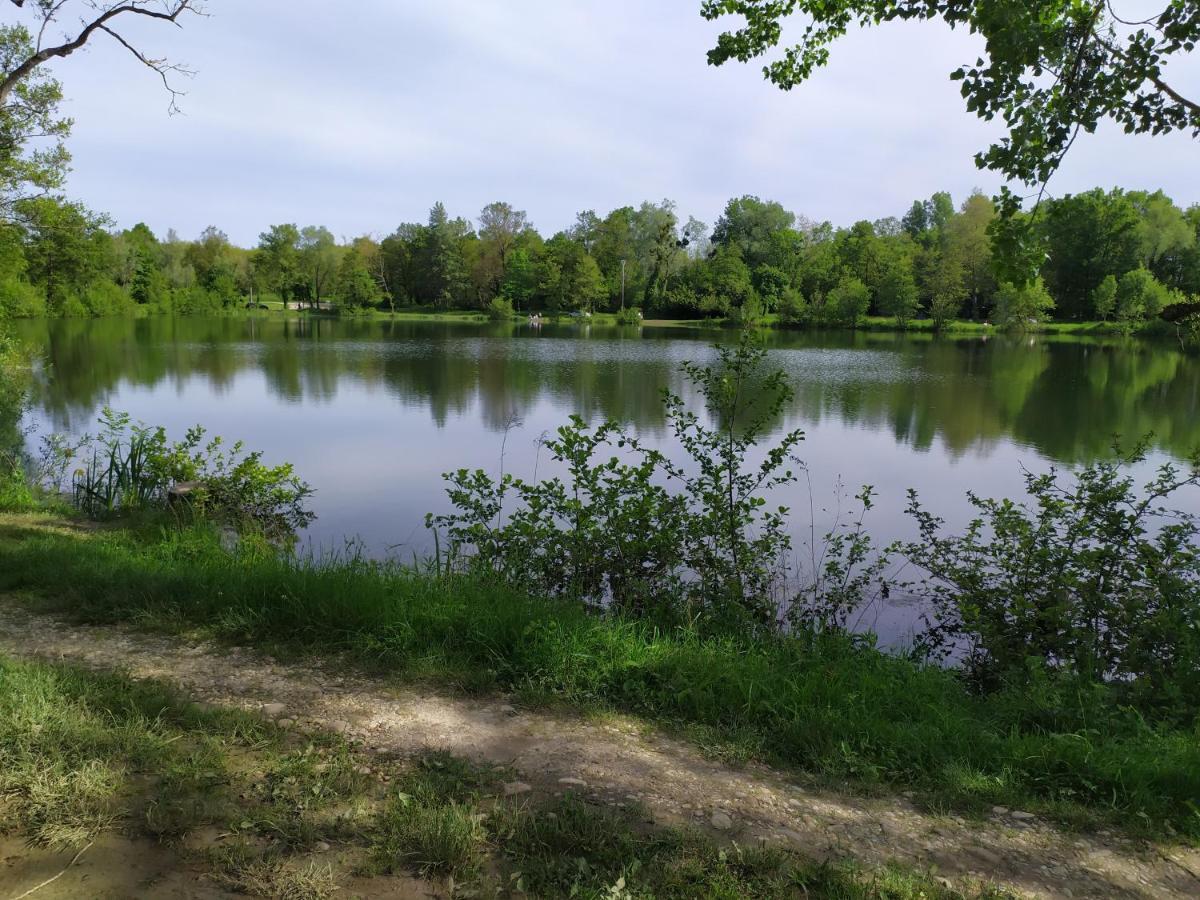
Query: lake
x=373, y=412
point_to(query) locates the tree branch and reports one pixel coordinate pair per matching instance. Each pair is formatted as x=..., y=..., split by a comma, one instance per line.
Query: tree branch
x=161, y=66
x=135, y=7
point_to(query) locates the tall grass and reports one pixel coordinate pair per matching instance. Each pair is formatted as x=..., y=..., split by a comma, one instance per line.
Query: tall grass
x=826, y=705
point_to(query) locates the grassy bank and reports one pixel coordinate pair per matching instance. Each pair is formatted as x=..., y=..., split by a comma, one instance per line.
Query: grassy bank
x=156, y=785
x=883, y=324
x=822, y=706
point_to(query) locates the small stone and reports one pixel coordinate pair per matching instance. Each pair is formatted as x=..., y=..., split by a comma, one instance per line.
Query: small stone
x=720, y=820
x=1022, y=816
x=513, y=788
x=573, y=782
x=285, y=723
x=321, y=847
x=362, y=770
x=339, y=726
x=273, y=710
x=508, y=709
x=1000, y=810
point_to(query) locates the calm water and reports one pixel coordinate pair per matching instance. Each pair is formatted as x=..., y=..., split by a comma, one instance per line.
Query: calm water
x=372, y=413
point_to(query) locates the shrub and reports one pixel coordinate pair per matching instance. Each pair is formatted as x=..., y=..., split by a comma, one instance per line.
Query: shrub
x=612, y=532
x=749, y=313
x=1092, y=578
x=1018, y=307
x=104, y=298
x=848, y=302
x=500, y=309
x=130, y=466
x=20, y=300
x=793, y=308
x=630, y=315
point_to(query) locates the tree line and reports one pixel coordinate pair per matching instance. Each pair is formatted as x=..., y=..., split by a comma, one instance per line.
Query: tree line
x=1109, y=255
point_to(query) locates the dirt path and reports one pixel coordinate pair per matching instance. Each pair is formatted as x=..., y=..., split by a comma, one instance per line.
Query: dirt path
x=617, y=761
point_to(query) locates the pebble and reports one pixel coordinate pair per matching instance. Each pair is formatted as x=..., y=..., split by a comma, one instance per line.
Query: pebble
x=1000, y=810
x=1022, y=816
x=573, y=782
x=720, y=820
x=513, y=788
x=273, y=710
x=321, y=847
x=339, y=726
x=285, y=723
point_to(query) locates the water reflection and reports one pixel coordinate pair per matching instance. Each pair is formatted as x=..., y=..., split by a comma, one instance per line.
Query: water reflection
x=1066, y=398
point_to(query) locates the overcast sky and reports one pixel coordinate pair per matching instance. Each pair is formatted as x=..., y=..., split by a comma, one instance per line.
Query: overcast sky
x=359, y=115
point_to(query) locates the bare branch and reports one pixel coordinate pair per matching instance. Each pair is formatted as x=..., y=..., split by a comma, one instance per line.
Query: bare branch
x=170, y=13
x=161, y=66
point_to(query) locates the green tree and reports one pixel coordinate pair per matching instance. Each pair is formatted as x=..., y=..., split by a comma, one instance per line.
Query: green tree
x=67, y=251
x=500, y=228
x=1088, y=236
x=1020, y=306
x=1139, y=296
x=946, y=291
x=848, y=302
x=752, y=226
x=968, y=243
x=1104, y=298
x=277, y=259
x=898, y=292
x=356, y=288
x=317, y=260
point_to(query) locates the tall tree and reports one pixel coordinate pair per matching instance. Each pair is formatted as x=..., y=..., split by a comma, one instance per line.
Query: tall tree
x=500, y=226
x=318, y=257
x=277, y=260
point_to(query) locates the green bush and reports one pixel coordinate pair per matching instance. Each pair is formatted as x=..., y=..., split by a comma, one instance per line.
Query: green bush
x=130, y=466
x=500, y=309
x=1091, y=579
x=1019, y=307
x=847, y=303
x=613, y=532
x=793, y=308
x=21, y=300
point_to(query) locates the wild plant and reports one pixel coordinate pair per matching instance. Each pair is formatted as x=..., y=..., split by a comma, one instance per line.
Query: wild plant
x=128, y=466
x=1091, y=577
x=628, y=526
x=844, y=572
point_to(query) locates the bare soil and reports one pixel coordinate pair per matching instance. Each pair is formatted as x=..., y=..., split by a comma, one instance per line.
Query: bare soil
x=614, y=760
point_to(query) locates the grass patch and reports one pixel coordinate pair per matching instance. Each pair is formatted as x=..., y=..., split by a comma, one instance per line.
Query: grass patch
x=838, y=711
x=81, y=753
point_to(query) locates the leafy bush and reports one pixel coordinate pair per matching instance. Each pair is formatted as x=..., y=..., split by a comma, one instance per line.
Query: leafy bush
x=847, y=303
x=130, y=466
x=1019, y=306
x=500, y=309
x=630, y=315
x=793, y=308
x=1093, y=579
x=613, y=532
x=20, y=300
x=749, y=313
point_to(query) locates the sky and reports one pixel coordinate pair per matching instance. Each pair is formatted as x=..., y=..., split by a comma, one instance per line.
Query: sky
x=360, y=115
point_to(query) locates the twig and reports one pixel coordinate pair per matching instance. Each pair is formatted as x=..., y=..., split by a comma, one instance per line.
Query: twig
x=54, y=878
